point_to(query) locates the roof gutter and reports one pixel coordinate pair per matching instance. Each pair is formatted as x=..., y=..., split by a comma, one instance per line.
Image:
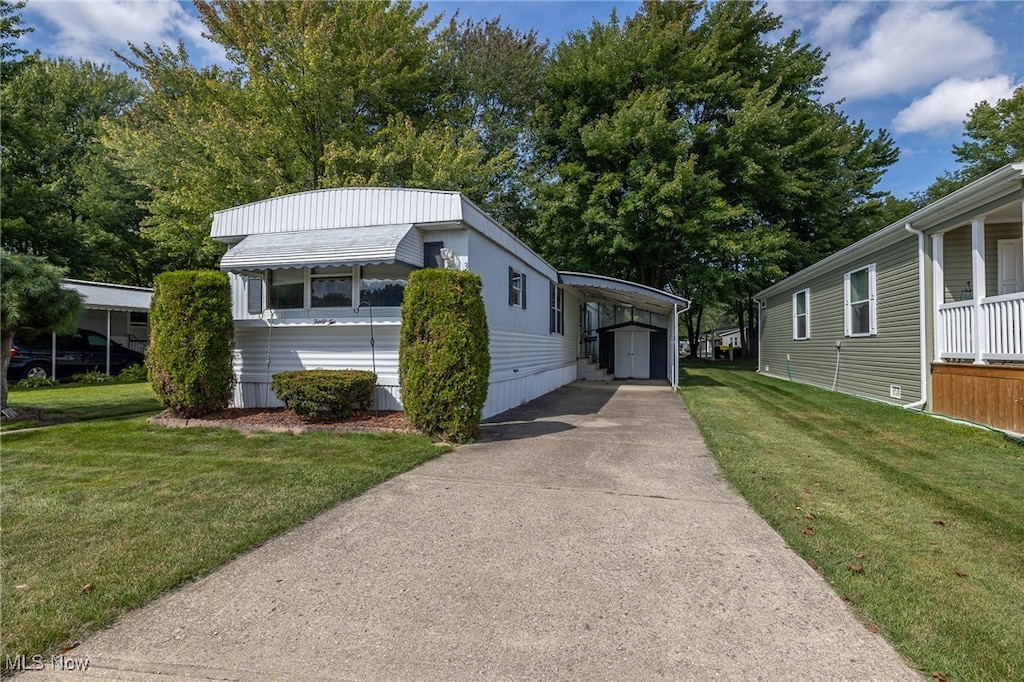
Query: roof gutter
x=921, y=318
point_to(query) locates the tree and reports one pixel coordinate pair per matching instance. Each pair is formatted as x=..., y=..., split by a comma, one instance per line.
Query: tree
x=52, y=112
x=683, y=150
x=320, y=94
x=994, y=137
x=10, y=30
x=31, y=298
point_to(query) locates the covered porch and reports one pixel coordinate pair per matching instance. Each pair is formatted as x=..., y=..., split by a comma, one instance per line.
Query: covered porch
x=978, y=284
x=627, y=330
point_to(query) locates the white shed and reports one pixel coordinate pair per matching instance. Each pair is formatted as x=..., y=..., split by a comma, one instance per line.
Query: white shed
x=318, y=278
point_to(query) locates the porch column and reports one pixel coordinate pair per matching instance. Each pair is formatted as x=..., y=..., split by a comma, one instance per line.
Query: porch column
x=938, y=296
x=978, y=284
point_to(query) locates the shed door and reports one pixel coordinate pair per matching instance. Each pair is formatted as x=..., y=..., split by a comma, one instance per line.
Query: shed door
x=632, y=355
x=1011, y=266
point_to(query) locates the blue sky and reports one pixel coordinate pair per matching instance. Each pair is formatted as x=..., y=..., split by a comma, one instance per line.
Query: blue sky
x=914, y=68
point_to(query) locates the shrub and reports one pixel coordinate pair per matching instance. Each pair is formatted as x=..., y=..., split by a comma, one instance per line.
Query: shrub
x=133, y=374
x=444, y=359
x=324, y=393
x=92, y=378
x=36, y=382
x=190, y=339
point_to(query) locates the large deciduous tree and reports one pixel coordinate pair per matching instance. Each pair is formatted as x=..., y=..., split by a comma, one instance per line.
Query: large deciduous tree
x=685, y=149
x=319, y=94
x=52, y=111
x=31, y=298
x=994, y=137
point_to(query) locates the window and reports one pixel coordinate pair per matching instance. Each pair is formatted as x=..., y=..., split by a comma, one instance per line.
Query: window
x=287, y=288
x=802, y=315
x=861, y=304
x=330, y=288
x=383, y=285
x=557, y=318
x=432, y=254
x=516, y=288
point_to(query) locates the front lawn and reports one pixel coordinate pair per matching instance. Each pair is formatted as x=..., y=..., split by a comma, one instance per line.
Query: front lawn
x=918, y=523
x=102, y=516
x=79, y=402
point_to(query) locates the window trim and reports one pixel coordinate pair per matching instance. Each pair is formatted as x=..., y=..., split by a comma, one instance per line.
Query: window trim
x=871, y=300
x=556, y=321
x=806, y=314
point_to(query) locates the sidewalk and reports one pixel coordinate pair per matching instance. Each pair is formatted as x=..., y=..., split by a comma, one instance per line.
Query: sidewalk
x=588, y=535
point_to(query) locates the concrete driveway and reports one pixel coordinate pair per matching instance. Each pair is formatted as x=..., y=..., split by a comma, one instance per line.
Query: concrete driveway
x=589, y=535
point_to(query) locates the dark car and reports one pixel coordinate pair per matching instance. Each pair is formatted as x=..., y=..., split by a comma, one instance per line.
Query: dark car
x=84, y=351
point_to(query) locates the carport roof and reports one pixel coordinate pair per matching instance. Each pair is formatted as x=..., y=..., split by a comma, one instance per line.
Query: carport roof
x=103, y=296
x=619, y=291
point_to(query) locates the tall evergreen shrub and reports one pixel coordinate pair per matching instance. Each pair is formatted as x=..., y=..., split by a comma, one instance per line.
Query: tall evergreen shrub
x=191, y=333
x=444, y=357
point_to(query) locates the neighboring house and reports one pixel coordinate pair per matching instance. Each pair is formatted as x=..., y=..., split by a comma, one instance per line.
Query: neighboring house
x=721, y=339
x=925, y=313
x=118, y=312
x=318, y=279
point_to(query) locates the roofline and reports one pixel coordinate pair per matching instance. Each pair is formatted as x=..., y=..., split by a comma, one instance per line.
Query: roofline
x=331, y=189
x=932, y=213
x=106, y=284
x=641, y=289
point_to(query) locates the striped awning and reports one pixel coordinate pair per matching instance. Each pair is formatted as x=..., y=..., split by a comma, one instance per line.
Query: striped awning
x=326, y=248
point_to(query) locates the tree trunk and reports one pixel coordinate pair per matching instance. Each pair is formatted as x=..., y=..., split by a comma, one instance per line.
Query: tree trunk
x=740, y=327
x=753, y=323
x=6, y=339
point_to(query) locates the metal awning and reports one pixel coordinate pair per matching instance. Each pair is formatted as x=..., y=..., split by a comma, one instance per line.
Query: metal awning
x=619, y=291
x=103, y=296
x=326, y=248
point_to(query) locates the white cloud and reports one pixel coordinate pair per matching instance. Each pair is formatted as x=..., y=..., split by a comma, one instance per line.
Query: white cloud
x=838, y=23
x=94, y=29
x=911, y=45
x=945, y=108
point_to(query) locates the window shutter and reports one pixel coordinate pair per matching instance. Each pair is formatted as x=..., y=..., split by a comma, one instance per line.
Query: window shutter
x=255, y=295
x=522, y=294
x=554, y=304
x=807, y=314
x=873, y=298
x=846, y=305
x=511, y=289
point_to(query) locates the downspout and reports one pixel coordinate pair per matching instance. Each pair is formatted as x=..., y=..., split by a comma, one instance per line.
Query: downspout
x=760, y=319
x=921, y=319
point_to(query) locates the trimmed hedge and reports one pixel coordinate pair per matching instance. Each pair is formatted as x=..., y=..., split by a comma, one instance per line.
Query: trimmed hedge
x=190, y=339
x=324, y=393
x=444, y=360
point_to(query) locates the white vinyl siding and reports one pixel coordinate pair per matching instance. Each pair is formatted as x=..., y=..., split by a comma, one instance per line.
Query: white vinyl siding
x=860, y=302
x=802, y=315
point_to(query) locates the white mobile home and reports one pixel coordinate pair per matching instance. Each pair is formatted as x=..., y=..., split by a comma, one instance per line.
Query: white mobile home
x=318, y=277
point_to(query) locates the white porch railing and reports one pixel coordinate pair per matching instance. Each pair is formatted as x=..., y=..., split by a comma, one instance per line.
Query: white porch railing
x=1001, y=319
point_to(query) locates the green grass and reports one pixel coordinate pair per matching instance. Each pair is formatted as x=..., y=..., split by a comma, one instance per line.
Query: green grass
x=911, y=499
x=78, y=403
x=134, y=509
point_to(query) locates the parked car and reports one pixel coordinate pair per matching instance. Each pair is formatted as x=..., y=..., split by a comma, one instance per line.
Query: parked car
x=84, y=351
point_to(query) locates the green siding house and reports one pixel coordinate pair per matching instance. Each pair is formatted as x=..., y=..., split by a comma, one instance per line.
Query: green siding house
x=926, y=313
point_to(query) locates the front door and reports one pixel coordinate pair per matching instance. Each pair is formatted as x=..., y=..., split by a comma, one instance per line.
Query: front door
x=632, y=355
x=1011, y=266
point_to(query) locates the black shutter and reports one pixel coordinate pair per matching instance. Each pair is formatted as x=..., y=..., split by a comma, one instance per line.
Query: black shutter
x=522, y=293
x=511, y=286
x=255, y=295
x=432, y=254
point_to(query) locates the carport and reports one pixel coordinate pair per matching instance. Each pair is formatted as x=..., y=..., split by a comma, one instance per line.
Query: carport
x=122, y=310
x=629, y=328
